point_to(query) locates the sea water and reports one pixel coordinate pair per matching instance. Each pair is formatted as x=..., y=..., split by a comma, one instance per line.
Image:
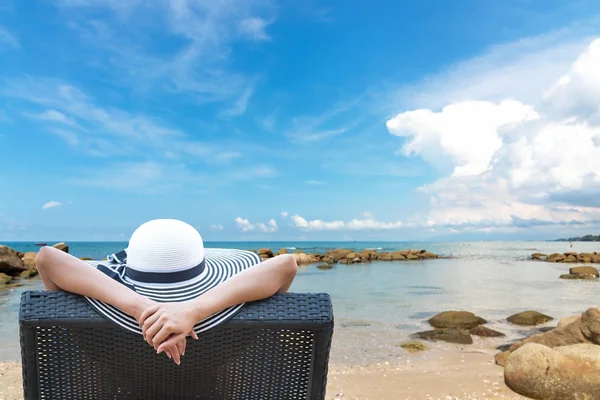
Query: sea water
x=378, y=305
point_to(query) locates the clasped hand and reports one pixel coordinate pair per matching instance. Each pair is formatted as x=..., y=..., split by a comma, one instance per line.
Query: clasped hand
x=166, y=325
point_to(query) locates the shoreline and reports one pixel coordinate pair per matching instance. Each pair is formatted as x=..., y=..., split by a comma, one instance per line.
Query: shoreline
x=444, y=374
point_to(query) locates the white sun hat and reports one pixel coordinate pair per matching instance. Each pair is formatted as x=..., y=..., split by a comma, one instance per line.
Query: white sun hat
x=166, y=261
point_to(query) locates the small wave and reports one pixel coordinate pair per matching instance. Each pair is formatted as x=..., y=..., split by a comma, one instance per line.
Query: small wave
x=291, y=248
x=376, y=248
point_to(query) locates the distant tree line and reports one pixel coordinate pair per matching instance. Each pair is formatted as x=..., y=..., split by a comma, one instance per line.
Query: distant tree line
x=586, y=238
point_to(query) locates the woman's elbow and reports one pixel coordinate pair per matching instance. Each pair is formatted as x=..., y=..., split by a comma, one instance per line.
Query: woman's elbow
x=289, y=265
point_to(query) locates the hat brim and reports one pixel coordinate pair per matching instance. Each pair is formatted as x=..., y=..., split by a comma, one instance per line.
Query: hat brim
x=221, y=264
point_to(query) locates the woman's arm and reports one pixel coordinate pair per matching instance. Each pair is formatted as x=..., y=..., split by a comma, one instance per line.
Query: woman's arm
x=62, y=271
x=164, y=324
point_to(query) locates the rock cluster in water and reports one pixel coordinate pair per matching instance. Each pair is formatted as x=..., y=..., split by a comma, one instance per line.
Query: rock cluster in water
x=345, y=256
x=569, y=257
x=15, y=265
x=562, y=363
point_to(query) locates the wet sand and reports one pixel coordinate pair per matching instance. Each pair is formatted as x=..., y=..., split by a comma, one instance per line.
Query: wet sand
x=443, y=374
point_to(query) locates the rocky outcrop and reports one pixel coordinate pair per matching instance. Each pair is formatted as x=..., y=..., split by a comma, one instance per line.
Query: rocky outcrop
x=564, y=373
x=4, y=279
x=10, y=263
x=456, y=319
x=569, y=257
x=325, y=266
x=529, y=318
x=29, y=260
x=347, y=256
x=450, y=335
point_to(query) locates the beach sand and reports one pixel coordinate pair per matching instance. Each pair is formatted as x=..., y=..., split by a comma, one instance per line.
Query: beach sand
x=449, y=375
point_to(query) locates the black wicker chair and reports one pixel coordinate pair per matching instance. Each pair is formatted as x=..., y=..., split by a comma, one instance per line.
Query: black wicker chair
x=273, y=349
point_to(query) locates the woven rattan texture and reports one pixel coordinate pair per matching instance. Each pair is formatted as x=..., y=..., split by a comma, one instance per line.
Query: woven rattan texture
x=273, y=349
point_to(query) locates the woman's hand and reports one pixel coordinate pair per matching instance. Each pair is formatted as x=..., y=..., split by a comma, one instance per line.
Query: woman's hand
x=165, y=325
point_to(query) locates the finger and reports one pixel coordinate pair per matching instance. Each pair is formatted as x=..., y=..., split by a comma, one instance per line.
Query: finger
x=194, y=335
x=168, y=353
x=171, y=341
x=148, y=312
x=161, y=336
x=149, y=322
x=176, y=355
x=152, y=331
x=181, y=347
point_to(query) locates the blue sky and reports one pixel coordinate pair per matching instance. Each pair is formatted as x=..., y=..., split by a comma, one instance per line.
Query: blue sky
x=264, y=120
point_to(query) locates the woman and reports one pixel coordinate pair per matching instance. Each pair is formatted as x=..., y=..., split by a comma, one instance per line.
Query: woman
x=166, y=286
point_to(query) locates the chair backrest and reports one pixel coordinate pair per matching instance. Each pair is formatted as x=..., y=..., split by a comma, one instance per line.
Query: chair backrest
x=273, y=349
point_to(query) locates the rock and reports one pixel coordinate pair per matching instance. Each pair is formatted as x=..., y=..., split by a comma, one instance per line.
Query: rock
x=325, y=266
x=404, y=252
x=397, y=256
x=29, y=273
x=427, y=255
x=351, y=256
x=570, y=258
x=61, y=246
x=567, y=321
x=564, y=373
x=539, y=256
x=385, y=257
x=449, y=335
x=529, y=318
x=501, y=357
x=555, y=257
x=345, y=261
x=85, y=258
x=5, y=279
x=590, y=325
x=484, y=331
x=568, y=333
x=10, y=263
x=413, y=346
x=337, y=254
x=412, y=257
x=302, y=258
x=282, y=251
x=29, y=259
x=266, y=252
x=414, y=252
x=578, y=276
x=456, y=319
x=584, y=271
x=570, y=253
x=328, y=260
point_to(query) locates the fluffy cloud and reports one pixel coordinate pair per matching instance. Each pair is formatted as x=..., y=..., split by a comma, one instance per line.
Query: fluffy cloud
x=246, y=226
x=514, y=164
x=284, y=214
x=51, y=204
x=354, y=224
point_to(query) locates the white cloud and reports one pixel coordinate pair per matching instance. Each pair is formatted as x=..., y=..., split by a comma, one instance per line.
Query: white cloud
x=246, y=226
x=54, y=116
x=51, y=204
x=368, y=215
x=284, y=214
x=254, y=27
x=239, y=107
x=314, y=136
x=216, y=227
x=514, y=164
x=8, y=38
x=354, y=224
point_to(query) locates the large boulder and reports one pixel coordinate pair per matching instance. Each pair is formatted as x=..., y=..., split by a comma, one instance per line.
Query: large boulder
x=555, y=257
x=564, y=373
x=590, y=325
x=456, y=319
x=584, y=271
x=427, y=255
x=29, y=259
x=10, y=263
x=449, y=335
x=385, y=256
x=61, y=246
x=398, y=256
x=529, y=318
x=570, y=259
x=282, y=251
x=412, y=256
